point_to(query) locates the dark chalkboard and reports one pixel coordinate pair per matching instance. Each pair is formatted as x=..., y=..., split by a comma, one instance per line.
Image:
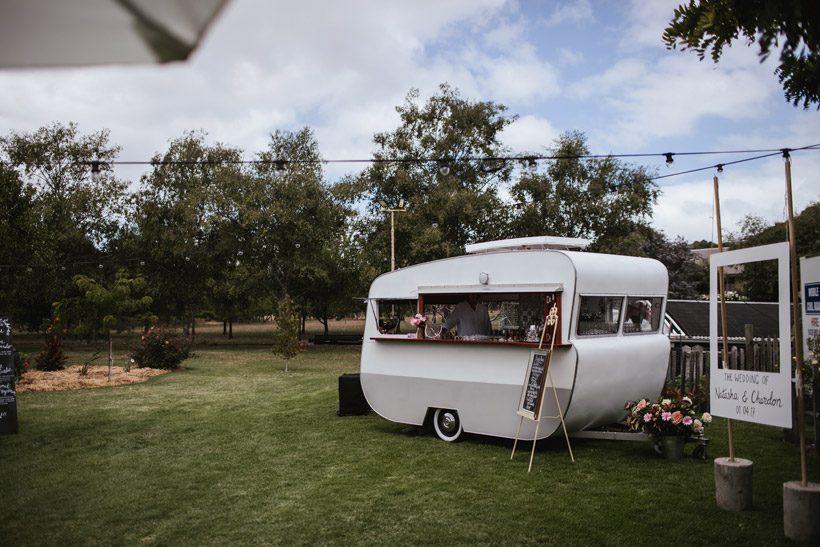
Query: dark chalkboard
x=8, y=392
x=530, y=404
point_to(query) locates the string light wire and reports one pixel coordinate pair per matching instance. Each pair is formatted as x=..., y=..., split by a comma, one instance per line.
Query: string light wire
x=446, y=163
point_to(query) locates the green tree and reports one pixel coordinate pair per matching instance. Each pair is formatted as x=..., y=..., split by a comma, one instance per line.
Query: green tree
x=295, y=224
x=20, y=235
x=758, y=282
x=97, y=310
x=688, y=279
x=75, y=213
x=601, y=199
x=792, y=26
x=286, y=342
x=453, y=202
x=180, y=214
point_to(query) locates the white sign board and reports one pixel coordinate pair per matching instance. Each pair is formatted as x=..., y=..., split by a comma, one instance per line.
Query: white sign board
x=752, y=396
x=810, y=278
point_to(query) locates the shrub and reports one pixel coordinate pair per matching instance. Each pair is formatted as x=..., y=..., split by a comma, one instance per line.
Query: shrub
x=160, y=349
x=52, y=357
x=21, y=364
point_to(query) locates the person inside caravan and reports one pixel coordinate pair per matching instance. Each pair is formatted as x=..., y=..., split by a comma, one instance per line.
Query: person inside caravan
x=640, y=314
x=470, y=318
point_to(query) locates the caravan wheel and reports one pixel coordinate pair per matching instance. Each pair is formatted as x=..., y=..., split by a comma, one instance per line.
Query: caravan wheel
x=447, y=424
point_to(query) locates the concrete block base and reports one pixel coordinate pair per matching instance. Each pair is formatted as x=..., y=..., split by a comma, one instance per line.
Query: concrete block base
x=733, y=484
x=801, y=511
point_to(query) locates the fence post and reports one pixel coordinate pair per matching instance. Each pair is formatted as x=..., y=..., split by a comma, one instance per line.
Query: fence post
x=749, y=334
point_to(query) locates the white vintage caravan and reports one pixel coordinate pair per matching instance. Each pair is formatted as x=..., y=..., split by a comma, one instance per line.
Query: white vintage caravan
x=609, y=347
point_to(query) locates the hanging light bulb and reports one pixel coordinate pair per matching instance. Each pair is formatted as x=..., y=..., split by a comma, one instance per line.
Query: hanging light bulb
x=279, y=168
x=532, y=164
x=720, y=168
x=95, y=171
x=444, y=167
x=669, y=159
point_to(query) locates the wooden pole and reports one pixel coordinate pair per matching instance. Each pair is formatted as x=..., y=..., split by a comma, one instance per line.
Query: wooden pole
x=392, y=242
x=534, y=440
x=797, y=330
x=561, y=415
x=517, y=433
x=724, y=322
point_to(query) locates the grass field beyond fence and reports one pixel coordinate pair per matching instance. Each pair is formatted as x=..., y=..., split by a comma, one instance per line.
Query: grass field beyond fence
x=231, y=450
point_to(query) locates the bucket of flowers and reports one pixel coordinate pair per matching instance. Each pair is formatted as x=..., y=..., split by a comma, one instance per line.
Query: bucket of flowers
x=669, y=421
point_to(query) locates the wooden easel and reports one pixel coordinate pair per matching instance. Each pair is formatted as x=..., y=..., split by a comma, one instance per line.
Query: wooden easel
x=551, y=319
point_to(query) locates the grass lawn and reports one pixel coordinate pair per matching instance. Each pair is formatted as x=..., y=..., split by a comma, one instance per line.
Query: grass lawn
x=231, y=450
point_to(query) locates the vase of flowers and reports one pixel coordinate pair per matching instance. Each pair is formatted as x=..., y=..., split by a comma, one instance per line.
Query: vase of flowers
x=669, y=421
x=419, y=321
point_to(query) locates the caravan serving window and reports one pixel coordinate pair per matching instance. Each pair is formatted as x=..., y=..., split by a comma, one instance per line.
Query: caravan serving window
x=395, y=315
x=599, y=315
x=513, y=317
x=643, y=314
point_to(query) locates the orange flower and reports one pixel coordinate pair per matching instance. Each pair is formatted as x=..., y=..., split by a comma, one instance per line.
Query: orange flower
x=677, y=417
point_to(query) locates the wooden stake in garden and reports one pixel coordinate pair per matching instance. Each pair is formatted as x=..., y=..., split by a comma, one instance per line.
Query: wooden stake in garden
x=723, y=322
x=551, y=319
x=797, y=330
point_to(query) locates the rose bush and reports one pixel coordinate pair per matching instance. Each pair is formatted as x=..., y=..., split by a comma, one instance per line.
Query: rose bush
x=160, y=349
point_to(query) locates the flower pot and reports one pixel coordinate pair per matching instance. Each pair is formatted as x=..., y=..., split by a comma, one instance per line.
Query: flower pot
x=673, y=446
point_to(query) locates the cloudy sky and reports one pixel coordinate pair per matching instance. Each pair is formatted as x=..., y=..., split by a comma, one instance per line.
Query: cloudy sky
x=598, y=66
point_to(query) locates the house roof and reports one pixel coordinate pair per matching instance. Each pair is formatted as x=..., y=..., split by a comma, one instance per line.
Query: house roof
x=692, y=318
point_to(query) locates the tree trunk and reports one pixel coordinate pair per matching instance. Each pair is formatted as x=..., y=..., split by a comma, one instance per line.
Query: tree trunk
x=324, y=322
x=224, y=328
x=193, y=329
x=230, y=329
x=304, y=320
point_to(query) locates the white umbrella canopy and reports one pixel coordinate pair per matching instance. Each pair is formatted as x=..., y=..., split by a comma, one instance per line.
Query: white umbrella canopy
x=49, y=33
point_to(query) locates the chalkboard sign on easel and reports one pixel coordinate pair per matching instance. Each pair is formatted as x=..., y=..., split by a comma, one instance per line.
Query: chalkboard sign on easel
x=8, y=392
x=537, y=369
x=532, y=394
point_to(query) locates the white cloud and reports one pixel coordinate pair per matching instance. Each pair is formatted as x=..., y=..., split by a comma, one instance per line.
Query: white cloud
x=646, y=22
x=529, y=134
x=569, y=57
x=756, y=188
x=670, y=97
x=577, y=11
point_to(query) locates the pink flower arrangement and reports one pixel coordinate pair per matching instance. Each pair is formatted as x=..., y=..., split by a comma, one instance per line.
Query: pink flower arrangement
x=674, y=415
x=418, y=320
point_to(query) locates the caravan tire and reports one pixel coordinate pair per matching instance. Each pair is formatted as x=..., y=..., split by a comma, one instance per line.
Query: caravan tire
x=447, y=424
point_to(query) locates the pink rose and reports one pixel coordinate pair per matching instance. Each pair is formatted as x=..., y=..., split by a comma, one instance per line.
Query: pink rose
x=647, y=417
x=687, y=420
x=666, y=416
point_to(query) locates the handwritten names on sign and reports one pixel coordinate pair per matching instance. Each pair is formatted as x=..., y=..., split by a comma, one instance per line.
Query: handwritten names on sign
x=8, y=392
x=530, y=404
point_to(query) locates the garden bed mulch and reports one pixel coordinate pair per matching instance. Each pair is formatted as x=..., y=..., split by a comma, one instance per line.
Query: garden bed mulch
x=70, y=378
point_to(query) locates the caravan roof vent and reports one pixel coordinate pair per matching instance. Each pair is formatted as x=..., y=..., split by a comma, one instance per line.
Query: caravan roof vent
x=528, y=243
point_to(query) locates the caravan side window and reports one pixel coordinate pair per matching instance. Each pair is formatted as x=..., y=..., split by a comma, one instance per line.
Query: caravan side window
x=395, y=315
x=643, y=314
x=599, y=315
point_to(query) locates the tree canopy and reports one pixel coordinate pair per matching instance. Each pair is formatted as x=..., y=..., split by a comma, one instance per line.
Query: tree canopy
x=792, y=26
x=453, y=201
x=602, y=199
